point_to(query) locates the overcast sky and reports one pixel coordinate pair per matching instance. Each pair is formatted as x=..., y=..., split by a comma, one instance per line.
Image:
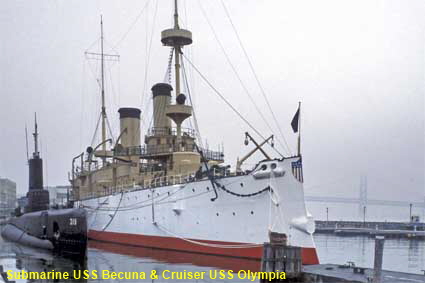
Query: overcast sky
x=357, y=66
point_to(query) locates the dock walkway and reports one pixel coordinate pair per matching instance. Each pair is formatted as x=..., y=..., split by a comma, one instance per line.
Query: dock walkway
x=333, y=273
x=372, y=229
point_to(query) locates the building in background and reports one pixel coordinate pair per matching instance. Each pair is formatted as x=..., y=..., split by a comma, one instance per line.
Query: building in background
x=7, y=197
x=58, y=195
x=22, y=203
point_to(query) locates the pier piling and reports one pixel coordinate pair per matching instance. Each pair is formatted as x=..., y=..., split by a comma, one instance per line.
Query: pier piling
x=379, y=252
x=278, y=256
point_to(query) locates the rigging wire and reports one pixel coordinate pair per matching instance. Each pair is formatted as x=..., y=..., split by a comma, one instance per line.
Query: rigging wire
x=95, y=131
x=255, y=76
x=91, y=45
x=110, y=129
x=195, y=120
x=115, y=95
x=227, y=102
x=92, y=71
x=83, y=88
x=234, y=69
x=132, y=24
x=148, y=56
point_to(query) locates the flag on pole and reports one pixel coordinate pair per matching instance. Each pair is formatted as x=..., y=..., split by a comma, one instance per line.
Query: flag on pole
x=295, y=121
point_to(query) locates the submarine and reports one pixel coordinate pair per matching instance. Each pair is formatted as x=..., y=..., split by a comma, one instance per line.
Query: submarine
x=62, y=231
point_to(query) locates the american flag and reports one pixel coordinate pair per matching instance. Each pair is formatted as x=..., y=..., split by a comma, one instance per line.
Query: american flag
x=297, y=170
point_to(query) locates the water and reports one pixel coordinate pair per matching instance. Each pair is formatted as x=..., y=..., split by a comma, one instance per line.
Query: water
x=119, y=258
x=399, y=255
x=402, y=255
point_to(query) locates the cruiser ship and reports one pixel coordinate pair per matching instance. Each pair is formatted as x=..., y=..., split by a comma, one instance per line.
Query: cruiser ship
x=170, y=193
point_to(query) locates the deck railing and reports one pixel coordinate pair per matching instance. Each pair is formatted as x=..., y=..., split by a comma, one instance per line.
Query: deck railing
x=161, y=131
x=147, y=151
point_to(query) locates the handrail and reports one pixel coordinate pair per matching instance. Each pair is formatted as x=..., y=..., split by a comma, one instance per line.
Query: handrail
x=165, y=131
x=152, y=150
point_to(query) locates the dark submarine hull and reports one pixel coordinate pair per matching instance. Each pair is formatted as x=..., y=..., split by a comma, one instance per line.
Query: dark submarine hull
x=63, y=231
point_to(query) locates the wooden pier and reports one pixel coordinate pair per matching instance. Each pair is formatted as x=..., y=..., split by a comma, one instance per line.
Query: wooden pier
x=279, y=257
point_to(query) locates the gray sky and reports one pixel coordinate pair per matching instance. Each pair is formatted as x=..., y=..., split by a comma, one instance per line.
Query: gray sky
x=357, y=66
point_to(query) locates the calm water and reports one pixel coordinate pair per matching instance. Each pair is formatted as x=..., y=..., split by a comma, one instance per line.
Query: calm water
x=399, y=255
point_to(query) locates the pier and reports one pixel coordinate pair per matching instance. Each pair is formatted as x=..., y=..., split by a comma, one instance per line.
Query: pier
x=278, y=256
x=387, y=229
x=349, y=273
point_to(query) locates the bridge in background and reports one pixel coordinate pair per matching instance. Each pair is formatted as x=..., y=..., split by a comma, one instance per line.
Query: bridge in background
x=362, y=201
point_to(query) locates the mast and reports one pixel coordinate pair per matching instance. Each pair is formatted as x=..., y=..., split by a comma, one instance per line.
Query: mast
x=103, y=113
x=177, y=38
x=102, y=56
x=36, y=153
x=299, y=128
x=177, y=49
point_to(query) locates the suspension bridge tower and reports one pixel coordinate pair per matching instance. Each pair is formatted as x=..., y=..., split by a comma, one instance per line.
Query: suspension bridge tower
x=363, y=196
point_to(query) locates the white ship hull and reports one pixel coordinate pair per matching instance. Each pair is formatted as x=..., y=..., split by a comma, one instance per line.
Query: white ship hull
x=184, y=216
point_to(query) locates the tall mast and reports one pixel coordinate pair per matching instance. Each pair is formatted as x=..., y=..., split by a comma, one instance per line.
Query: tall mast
x=177, y=38
x=103, y=92
x=102, y=56
x=176, y=15
x=177, y=49
x=299, y=128
x=36, y=154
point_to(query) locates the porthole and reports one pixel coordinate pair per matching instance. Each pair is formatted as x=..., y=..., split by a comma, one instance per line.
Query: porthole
x=252, y=212
x=208, y=188
x=241, y=184
x=168, y=193
x=264, y=167
x=193, y=190
x=234, y=214
x=217, y=214
x=273, y=166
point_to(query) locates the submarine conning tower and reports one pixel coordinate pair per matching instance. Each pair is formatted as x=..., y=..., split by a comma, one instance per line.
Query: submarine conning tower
x=38, y=197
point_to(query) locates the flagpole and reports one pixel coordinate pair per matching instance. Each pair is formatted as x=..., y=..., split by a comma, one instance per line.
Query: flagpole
x=299, y=128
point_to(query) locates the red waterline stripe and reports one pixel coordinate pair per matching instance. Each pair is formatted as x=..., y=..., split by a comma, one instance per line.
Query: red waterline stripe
x=309, y=255
x=178, y=257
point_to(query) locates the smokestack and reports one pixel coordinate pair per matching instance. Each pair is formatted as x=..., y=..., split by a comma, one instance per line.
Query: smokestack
x=130, y=120
x=161, y=99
